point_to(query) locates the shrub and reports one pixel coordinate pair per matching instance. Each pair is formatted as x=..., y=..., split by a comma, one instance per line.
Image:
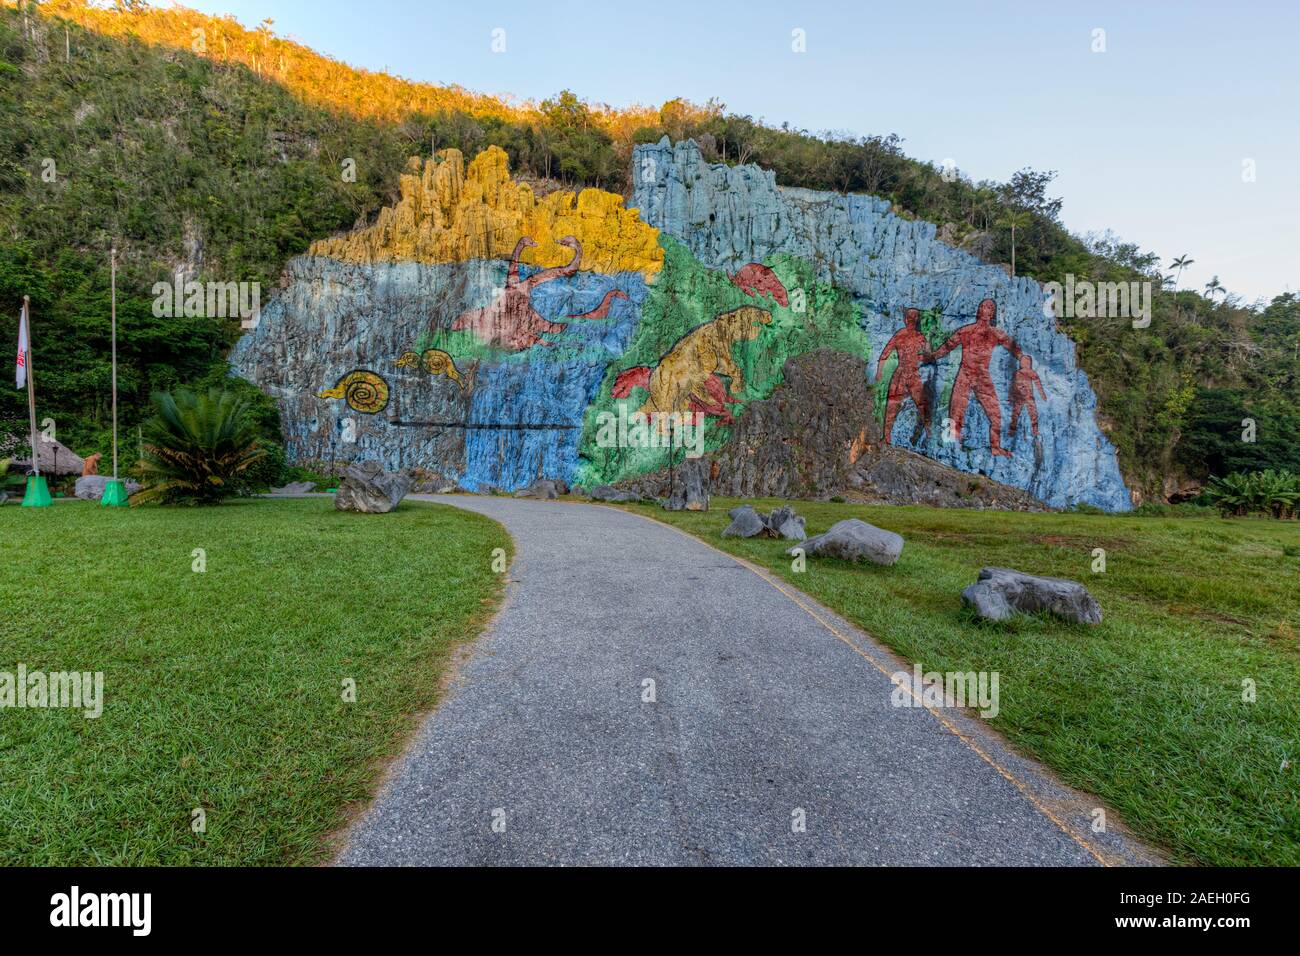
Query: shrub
x=200, y=448
x=1269, y=492
x=11, y=483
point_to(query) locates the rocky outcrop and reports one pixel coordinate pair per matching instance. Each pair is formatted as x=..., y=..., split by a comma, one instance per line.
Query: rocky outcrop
x=1000, y=593
x=803, y=441
x=888, y=475
x=511, y=421
x=451, y=213
x=366, y=487
x=854, y=540
x=732, y=215
x=691, y=490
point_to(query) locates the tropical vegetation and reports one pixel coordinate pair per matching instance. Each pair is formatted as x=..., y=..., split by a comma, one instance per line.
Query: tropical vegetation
x=221, y=153
x=1271, y=493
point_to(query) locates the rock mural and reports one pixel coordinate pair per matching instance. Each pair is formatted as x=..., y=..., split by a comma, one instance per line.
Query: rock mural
x=490, y=337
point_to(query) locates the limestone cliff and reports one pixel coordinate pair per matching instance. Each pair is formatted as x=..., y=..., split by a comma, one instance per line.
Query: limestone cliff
x=450, y=213
x=487, y=336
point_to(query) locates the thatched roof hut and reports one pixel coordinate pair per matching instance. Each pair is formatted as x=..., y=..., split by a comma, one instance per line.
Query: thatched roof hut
x=55, y=458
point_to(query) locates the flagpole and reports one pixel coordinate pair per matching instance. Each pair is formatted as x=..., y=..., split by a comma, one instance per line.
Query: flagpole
x=37, y=494
x=114, y=494
x=114, y=336
x=31, y=387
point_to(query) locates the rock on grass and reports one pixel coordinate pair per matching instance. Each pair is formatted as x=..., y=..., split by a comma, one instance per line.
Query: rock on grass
x=1001, y=592
x=854, y=540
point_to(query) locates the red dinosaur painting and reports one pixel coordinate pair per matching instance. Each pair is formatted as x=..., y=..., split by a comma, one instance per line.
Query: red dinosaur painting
x=602, y=311
x=510, y=321
x=911, y=347
x=755, y=280
x=977, y=341
x=1022, y=394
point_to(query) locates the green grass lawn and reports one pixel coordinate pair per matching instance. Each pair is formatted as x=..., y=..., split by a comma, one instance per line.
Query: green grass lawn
x=224, y=689
x=1145, y=711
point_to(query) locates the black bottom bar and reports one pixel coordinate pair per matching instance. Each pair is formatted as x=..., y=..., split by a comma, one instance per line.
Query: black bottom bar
x=333, y=906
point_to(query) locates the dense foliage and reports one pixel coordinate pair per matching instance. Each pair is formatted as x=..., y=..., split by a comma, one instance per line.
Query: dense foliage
x=227, y=161
x=1275, y=494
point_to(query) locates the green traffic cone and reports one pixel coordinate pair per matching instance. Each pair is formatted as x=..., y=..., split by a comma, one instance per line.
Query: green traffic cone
x=38, y=492
x=114, y=495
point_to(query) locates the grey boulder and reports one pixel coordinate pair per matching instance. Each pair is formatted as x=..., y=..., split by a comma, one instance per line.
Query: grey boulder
x=781, y=523
x=690, y=487
x=1001, y=592
x=854, y=540
x=745, y=523
x=295, y=488
x=91, y=487
x=784, y=523
x=543, y=489
x=366, y=487
x=610, y=493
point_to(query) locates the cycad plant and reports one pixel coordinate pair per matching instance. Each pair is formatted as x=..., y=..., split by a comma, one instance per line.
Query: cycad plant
x=199, y=448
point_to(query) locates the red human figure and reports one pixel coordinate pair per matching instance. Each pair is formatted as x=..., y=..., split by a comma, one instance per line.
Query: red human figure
x=910, y=346
x=977, y=341
x=1022, y=394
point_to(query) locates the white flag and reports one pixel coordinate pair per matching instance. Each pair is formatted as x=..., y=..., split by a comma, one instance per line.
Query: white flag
x=21, y=376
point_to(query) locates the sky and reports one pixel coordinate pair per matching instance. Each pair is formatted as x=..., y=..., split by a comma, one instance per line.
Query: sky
x=1177, y=128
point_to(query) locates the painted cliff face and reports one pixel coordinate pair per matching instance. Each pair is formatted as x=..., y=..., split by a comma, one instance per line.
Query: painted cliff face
x=500, y=330
x=730, y=216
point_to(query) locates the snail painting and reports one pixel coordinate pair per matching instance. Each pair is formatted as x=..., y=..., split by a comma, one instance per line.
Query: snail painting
x=433, y=361
x=365, y=391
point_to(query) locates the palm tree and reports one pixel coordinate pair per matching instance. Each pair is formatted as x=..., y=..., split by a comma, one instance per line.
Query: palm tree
x=1014, y=219
x=1181, y=263
x=199, y=448
x=1214, y=287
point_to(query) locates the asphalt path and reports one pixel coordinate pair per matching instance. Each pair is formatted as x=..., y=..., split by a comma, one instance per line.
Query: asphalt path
x=769, y=734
